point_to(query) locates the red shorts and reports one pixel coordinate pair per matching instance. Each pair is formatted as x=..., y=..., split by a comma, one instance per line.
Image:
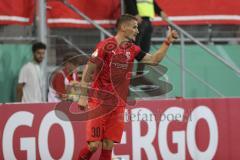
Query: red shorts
x=109, y=126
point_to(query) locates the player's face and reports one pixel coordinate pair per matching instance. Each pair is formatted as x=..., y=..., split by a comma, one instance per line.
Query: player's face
x=131, y=30
x=39, y=55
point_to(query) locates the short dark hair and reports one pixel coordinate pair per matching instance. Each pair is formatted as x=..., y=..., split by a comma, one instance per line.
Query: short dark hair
x=125, y=18
x=38, y=45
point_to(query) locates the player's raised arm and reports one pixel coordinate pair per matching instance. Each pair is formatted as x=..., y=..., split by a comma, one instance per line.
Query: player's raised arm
x=155, y=58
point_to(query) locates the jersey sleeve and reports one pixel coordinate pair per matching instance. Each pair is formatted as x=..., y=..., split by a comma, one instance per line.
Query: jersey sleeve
x=139, y=54
x=24, y=75
x=58, y=84
x=98, y=55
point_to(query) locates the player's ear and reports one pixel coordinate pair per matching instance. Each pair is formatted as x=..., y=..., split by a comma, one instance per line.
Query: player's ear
x=123, y=27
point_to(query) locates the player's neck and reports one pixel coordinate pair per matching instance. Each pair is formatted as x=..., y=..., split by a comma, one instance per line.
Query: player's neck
x=36, y=62
x=120, y=38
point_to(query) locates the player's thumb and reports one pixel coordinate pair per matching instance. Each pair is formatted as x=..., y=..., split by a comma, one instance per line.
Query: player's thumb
x=169, y=29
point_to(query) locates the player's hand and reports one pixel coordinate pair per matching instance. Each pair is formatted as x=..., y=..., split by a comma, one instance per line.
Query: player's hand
x=164, y=16
x=83, y=102
x=172, y=35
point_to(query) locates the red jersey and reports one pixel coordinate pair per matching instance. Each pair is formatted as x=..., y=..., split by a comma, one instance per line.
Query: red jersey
x=114, y=73
x=58, y=80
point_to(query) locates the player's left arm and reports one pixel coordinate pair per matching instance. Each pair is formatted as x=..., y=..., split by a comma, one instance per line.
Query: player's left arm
x=88, y=72
x=155, y=58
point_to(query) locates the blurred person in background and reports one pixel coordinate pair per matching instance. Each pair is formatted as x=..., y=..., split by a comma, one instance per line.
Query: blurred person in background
x=30, y=82
x=144, y=11
x=64, y=83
